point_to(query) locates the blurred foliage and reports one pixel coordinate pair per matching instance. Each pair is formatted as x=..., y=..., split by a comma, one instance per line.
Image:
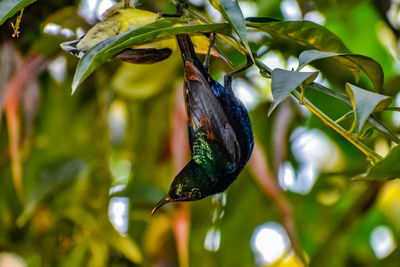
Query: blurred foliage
x=68, y=163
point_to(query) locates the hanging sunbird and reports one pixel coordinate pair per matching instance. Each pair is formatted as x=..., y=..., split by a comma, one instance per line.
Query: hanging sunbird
x=220, y=133
x=120, y=19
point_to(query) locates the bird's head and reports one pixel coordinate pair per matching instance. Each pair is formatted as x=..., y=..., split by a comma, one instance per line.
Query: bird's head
x=190, y=184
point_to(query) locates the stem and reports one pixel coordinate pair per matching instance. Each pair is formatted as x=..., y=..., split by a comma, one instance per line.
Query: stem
x=393, y=108
x=328, y=91
x=345, y=116
x=265, y=71
x=371, y=119
x=301, y=99
x=328, y=121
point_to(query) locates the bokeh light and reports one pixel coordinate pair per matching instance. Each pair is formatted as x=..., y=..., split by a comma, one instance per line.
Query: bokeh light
x=382, y=241
x=118, y=212
x=213, y=239
x=290, y=10
x=269, y=242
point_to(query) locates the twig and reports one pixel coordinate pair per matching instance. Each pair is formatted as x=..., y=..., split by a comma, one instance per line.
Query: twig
x=371, y=155
x=371, y=119
x=16, y=26
x=392, y=108
x=349, y=136
x=345, y=116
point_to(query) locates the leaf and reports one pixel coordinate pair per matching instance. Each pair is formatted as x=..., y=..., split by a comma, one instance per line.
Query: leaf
x=108, y=48
x=284, y=82
x=386, y=169
x=365, y=103
x=102, y=227
x=380, y=127
x=305, y=33
x=377, y=125
x=9, y=7
x=231, y=11
x=124, y=244
x=261, y=19
x=355, y=62
x=131, y=81
x=53, y=178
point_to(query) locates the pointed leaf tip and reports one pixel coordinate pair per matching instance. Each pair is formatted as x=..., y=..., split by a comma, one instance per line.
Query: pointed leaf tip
x=354, y=62
x=285, y=81
x=364, y=103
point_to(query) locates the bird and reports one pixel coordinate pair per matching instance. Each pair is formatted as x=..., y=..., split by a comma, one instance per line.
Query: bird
x=125, y=17
x=118, y=19
x=219, y=130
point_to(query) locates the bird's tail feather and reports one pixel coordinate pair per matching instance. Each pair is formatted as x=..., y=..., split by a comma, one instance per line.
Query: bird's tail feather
x=70, y=47
x=187, y=50
x=186, y=47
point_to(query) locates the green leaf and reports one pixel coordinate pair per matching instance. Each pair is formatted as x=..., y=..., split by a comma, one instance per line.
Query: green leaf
x=231, y=11
x=131, y=81
x=377, y=125
x=386, y=169
x=102, y=227
x=261, y=19
x=158, y=30
x=365, y=103
x=53, y=178
x=284, y=82
x=9, y=7
x=304, y=33
x=355, y=62
x=123, y=244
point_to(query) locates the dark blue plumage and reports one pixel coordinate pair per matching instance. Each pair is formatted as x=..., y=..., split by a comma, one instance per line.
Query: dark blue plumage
x=220, y=133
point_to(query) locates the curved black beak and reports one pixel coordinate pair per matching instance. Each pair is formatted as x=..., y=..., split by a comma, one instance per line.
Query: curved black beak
x=162, y=202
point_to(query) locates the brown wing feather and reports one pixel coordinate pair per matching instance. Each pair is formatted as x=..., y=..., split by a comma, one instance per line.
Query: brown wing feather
x=205, y=113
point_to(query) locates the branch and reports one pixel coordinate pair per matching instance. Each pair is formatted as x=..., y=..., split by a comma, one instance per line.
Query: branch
x=371, y=155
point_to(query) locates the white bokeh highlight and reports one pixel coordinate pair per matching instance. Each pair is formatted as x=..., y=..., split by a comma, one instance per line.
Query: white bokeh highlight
x=290, y=10
x=382, y=241
x=213, y=239
x=315, y=17
x=314, y=152
x=269, y=242
x=245, y=92
x=396, y=115
x=118, y=212
x=58, y=68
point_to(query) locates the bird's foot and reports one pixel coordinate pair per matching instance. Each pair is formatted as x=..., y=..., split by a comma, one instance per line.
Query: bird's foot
x=229, y=77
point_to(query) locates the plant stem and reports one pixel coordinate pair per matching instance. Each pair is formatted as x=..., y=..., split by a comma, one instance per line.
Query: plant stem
x=372, y=155
x=393, y=108
x=371, y=119
x=345, y=116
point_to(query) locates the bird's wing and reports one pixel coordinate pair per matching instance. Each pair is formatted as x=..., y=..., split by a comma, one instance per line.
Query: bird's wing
x=211, y=134
x=143, y=55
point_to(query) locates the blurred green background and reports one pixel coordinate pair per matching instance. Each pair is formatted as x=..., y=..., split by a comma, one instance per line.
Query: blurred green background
x=79, y=174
